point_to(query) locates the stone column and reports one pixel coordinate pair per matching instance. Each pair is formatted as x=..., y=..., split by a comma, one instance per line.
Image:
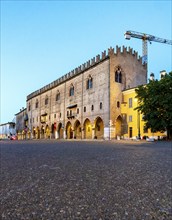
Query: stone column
x=55, y=134
x=93, y=133
x=64, y=134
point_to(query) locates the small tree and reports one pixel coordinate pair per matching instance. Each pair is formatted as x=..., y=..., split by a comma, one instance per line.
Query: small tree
x=155, y=103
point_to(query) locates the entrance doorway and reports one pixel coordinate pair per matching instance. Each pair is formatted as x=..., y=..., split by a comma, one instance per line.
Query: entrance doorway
x=69, y=131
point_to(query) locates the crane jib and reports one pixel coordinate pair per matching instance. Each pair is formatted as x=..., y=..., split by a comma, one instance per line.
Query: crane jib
x=145, y=37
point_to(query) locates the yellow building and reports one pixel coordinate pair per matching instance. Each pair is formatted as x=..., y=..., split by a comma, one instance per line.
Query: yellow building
x=133, y=124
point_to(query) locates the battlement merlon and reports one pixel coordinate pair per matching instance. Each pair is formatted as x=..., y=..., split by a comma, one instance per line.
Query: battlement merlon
x=84, y=67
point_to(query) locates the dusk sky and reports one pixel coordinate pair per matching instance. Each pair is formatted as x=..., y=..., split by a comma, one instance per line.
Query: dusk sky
x=43, y=40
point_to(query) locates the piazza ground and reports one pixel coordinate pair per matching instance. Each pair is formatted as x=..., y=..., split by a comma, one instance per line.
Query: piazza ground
x=78, y=180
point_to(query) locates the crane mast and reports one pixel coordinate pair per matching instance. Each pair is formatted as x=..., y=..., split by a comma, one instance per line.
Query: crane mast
x=145, y=38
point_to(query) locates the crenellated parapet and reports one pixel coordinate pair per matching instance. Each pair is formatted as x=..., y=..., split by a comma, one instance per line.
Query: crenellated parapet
x=124, y=50
x=85, y=66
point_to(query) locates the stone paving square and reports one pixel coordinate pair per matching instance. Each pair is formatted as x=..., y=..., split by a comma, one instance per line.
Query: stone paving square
x=81, y=180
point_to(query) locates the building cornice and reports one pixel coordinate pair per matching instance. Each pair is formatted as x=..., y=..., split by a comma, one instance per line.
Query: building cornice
x=85, y=67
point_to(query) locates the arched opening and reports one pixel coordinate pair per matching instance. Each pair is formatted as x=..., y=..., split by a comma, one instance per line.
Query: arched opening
x=37, y=133
x=34, y=132
x=87, y=129
x=42, y=132
x=77, y=130
x=118, y=126
x=28, y=135
x=47, y=131
x=69, y=130
x=99, y=128
x=53, y=130
x=118, y=75
x=89, y=82
x=71, y=90
x=60, y=131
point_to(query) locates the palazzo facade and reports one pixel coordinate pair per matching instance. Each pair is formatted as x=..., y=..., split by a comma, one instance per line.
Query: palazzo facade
x=86, y=102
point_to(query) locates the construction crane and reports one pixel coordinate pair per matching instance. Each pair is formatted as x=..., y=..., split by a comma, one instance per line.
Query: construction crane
x=145, y=38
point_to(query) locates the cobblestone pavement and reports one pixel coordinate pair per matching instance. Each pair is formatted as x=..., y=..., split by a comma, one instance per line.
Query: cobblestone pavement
x=95, y=180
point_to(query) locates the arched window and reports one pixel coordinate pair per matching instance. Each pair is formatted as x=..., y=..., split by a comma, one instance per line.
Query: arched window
x=71, y=91
x=118, y=104
x=101, y=105
x=58, y=96
x=118, y=75
x=36, y=104
x=89, y=82
x=46, y=100
x=92, y=108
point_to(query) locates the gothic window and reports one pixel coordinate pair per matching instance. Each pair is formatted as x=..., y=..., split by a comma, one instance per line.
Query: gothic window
x=84, y=109
x=46, y=100
x=118, y=75
x=71, y=91
x=36, y=104
x=89, y=82
x=101, y=105
x=58, y=96
x=92, y=108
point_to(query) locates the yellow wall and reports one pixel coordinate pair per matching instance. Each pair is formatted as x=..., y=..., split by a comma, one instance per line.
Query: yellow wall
x=134, y=119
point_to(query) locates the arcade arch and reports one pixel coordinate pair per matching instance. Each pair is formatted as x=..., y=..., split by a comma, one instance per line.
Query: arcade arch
x=87, y=129
x=118, y=126
x=69, y=130
x=60, y=131
x=99, y=128
x=77, y=130
x=47, y=131
x=37, y=131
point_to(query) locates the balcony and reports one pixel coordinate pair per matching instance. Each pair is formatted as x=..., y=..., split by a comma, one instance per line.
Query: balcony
x=72, y=116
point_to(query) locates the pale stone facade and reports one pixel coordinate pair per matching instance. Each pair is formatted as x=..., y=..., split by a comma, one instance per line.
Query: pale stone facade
x=85, y=103
x=22, y=124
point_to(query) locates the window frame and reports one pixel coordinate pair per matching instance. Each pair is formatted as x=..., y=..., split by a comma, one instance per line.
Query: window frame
x=130, y=102
x=71, y=90
x=89, y=84
x=118, y=75
x=46, y=100
x=57, y=96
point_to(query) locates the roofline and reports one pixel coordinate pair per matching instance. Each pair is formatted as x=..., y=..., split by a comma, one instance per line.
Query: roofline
x=7, y=123
x=22, y=110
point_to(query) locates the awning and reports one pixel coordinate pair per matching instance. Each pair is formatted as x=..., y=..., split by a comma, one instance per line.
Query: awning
x=72, y=106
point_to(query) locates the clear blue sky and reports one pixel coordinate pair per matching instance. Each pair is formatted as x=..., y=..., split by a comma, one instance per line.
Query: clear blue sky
x=43, y=40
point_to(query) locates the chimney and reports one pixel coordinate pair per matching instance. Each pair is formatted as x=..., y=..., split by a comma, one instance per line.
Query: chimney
x=152, y=76
x=162, y=74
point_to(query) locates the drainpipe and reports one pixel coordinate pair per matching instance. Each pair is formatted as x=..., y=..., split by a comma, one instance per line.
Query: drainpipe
x=82, y=107
x=109, y=103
